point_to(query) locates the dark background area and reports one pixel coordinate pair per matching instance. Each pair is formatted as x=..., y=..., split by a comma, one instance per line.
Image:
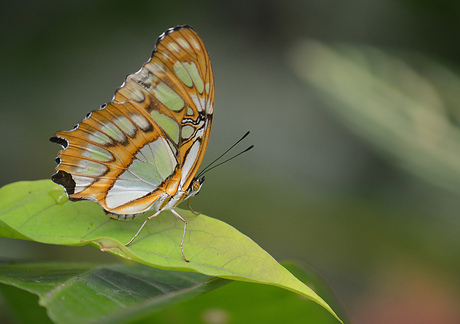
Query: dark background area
x=311, y=190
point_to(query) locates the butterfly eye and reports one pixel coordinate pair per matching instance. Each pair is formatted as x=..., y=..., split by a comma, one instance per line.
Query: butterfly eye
x=196, y=185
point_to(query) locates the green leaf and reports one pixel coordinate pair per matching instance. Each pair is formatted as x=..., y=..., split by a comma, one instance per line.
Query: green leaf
x=93, y=293
x=20, y=306
x=38, y=211
x=406, y=106
x=83, y=293
x=242, y=302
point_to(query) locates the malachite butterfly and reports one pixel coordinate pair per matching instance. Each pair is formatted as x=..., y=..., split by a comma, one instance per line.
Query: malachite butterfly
x=141, y=151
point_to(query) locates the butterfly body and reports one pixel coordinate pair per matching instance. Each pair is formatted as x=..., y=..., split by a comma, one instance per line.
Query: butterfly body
x=141, y=151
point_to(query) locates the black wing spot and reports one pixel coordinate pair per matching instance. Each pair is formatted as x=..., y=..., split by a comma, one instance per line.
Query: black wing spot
x=64, y=179
x=60, y=141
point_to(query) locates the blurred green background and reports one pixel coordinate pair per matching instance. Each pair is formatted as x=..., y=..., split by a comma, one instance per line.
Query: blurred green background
x=353, y=108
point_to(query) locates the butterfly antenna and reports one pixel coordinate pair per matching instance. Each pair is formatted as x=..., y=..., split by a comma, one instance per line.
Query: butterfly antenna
x=210, y=165
x=215, y=166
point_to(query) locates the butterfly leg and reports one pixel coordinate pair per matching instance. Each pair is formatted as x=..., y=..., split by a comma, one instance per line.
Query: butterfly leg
x=190, y=207
x=183, y=234
x=142, y=226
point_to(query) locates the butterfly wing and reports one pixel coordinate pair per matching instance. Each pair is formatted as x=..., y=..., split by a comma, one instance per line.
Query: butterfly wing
x=145, y=147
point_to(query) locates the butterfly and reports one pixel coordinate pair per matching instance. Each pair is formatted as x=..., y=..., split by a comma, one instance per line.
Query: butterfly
x=141, y=152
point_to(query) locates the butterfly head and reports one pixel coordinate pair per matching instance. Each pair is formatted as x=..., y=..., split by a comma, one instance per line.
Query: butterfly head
x=195, y=187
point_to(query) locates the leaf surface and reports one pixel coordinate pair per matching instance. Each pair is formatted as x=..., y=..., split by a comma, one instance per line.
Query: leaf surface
x=83, y=293
x=39, y=211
